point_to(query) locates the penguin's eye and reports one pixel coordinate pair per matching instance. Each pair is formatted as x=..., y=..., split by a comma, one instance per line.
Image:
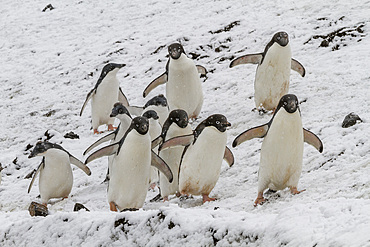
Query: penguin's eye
x=285, y=103
x=120, y=111
x=278, y=38
x=177, y=119
x=217, y=122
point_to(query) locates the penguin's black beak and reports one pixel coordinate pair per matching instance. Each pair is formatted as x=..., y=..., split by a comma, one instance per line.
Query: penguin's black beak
x=155, y=117
x=121, y=65
x=283, y=39
x=32, y=155
x=113, y=113
x=291, y=107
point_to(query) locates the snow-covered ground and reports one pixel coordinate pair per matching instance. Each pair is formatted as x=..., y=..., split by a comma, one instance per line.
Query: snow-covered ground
x=50, y=60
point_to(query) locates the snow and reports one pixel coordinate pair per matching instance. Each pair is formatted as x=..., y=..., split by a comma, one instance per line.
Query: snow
x=50, y=60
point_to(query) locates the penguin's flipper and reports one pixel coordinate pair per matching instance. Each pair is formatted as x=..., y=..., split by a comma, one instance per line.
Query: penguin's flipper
x=177, y=141
x=122, y=97
x=161, y=165
x=297, y=66
x=201, y=70
x=157, y=141
x=106, y=138
x=250, y=58
x=35, y=175
x=105, y=151
x=256, y=132
x=88, y=97
x=313, y=140
x=155, y=83
x=79, y=164
x=229, y=157
x=135, y=110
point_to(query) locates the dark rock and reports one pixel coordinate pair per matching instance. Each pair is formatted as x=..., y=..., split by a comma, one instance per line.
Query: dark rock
x=227, y=28
x=50, y=113
x=71, y=135
x=79, y=206
x=37, y=209
x=48, y=7
x=350, y=120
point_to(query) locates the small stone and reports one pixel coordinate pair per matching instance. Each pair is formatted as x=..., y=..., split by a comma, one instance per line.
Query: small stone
x=350, y=120
x=71, y=135
x=37, y=209
x=79, y=206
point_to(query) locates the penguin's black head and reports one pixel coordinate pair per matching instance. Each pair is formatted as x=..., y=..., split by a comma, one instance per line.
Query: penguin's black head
x=118, y=109
x=175, y=50
x=281, y=38
x=151, y=114
x=140, y=124
x=217, y=120
x=159, y=100
x=40, y=148
x=180, y=117
x=289, y=102
x=110, y=67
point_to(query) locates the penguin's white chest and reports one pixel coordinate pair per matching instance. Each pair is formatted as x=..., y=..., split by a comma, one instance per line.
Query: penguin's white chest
x=201, y=165
x=272, y=77
x=56, y=178
x=129, y=177
x=183, y=88
x=172, y=157
x=102, y=102
x=282, y=151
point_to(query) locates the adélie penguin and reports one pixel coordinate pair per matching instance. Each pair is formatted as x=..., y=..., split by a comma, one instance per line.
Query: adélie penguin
x=282, y=148
x=273, y=71
x=104, y=95
x=201, y=160
x=183, y=85
x=132, y=157
x=56, y=178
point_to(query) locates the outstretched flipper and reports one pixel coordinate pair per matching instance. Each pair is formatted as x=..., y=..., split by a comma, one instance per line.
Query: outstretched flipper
x=313, y=140
x=35, y=175
x=256, y=132
x=157, y=141
x=106, y=138
x=177, y=141
x=79, y=164
x=201, y=70
x=250, y=58
x=161, y=165
x=122, y=97
x=155, y=83
x=88, y=97
x=105, y=151
x=229, y=157
x=297, y=66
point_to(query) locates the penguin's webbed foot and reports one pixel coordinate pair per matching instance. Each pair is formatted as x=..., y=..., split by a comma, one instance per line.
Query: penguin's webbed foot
x=112, y=206
x=294, y=190
x=260, y=199
x=110, y=127
x=206, y=198
x=96, y=131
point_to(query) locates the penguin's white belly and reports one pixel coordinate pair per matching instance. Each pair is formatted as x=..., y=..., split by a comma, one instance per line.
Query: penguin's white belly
x=102, y=102
x=129, y=177
x=282, y=152
x=201, y=165
x=172, y=157
x=56, y=178
x=183, y=88
x=154, y=132
x=272, y=77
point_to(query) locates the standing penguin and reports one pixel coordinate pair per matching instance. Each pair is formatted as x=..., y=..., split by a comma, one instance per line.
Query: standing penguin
x=201, y=160
x=273, y=71
x=130, y=172
x=282, y=147
x=183, y=87
x=157, y=103
x=119, y=111
x=177, y=124
x=56, y=178
x=104, y=95
x=154, y=131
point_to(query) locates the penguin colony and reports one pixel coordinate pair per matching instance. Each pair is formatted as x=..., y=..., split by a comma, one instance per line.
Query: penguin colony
x=155, y=145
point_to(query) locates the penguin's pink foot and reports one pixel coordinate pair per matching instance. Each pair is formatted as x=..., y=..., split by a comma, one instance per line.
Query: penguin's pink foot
x=260, y=199
x=294, y=190
x=165, y=198
x=206, y=198
x=112, y=207
x=110, y=127
x=152, y=186
x=96, y=131
x=64, y=198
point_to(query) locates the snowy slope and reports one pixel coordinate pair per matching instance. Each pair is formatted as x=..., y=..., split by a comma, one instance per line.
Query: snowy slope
x=50, y=60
